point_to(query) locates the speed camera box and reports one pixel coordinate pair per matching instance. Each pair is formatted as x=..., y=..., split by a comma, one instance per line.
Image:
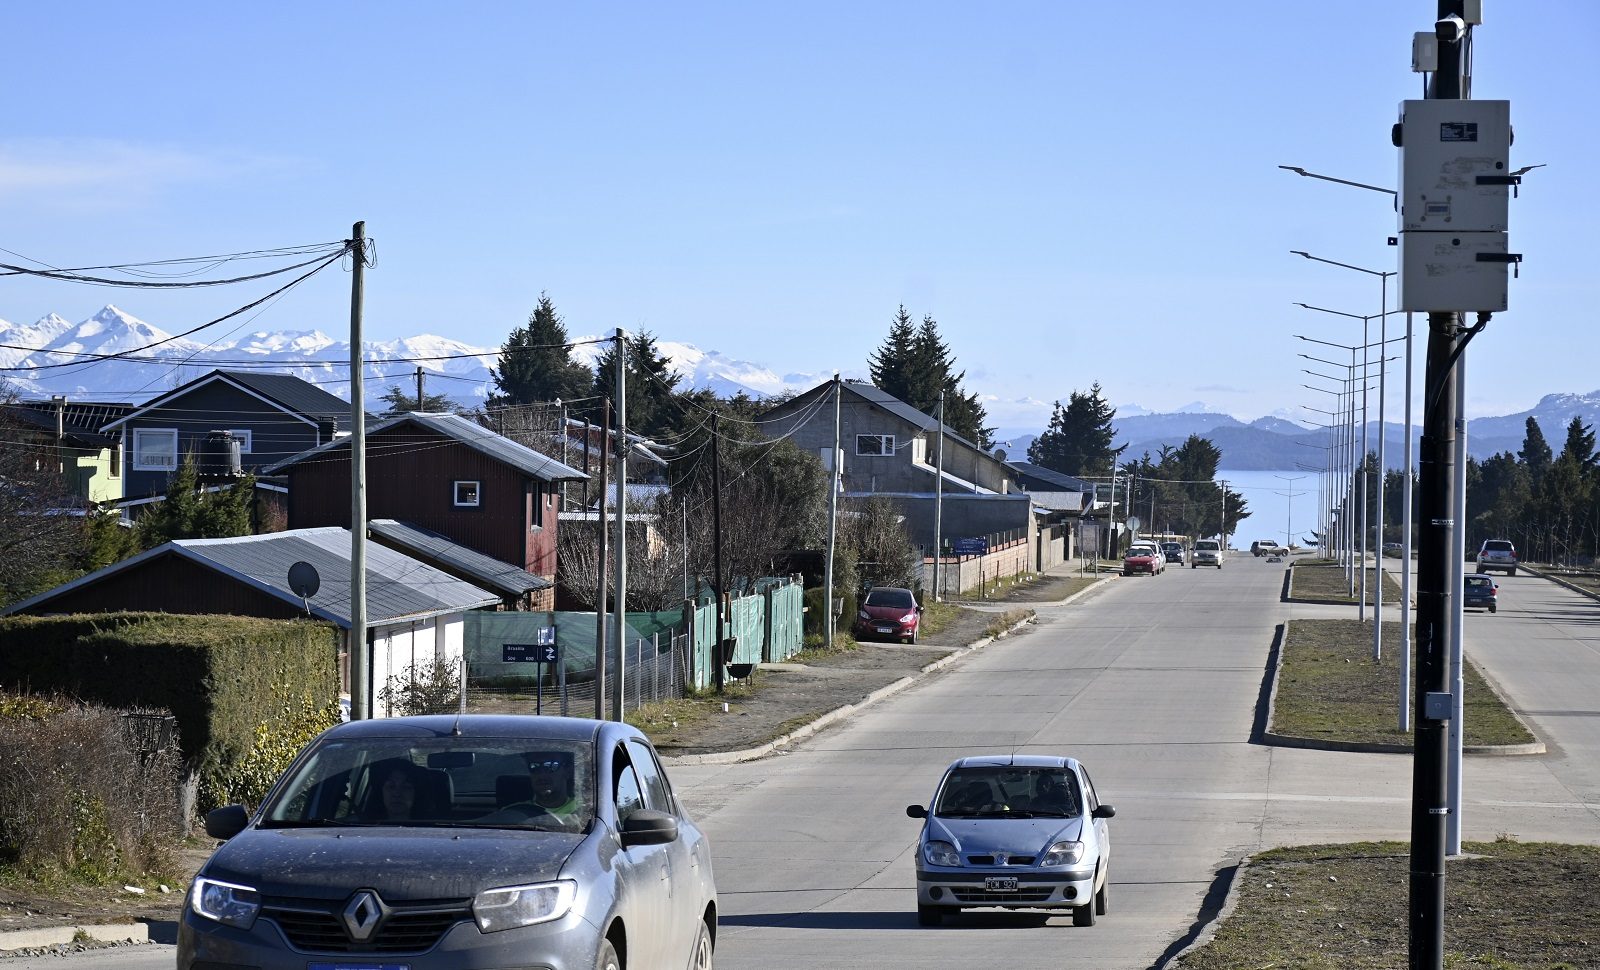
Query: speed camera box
x=1453, y=165
x=1445, y=272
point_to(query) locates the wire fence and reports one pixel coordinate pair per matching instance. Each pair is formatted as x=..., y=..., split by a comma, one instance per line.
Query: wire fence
x=656, y=668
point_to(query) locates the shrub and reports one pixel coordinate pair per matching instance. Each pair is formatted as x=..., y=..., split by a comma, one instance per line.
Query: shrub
x=76, y=799
x=424, y=689
x=815, y=600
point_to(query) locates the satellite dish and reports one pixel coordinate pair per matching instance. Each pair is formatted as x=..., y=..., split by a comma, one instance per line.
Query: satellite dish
x=305, y=582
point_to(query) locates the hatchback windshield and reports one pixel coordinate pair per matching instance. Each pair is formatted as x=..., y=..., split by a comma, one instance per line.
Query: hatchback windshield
x=897, y=598
x=489, y=782
x=1005, y=790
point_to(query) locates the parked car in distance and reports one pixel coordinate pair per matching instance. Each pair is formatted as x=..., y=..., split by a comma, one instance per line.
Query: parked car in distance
x=1497, y=554
x=1480, y=593
x=1207, y=552
x=440, y=841
x=1143, y=557
x=1016, y=832
x=1173, y=551
x=888, y=611
x=1266, y=547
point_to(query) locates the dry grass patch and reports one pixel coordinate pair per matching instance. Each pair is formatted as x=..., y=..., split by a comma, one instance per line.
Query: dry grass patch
x=1005, y=621
x=1330, y=689
x=1324, y=580
x=1508, y=906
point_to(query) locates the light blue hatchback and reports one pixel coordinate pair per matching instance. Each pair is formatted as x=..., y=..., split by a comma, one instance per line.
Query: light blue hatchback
x=1014, y=832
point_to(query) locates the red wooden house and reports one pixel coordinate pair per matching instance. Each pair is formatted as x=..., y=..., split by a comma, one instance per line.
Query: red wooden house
x=444, y=473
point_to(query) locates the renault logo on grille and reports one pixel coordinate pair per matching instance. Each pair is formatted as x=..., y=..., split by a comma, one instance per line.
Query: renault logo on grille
x=362, y=914
x=1000, y=859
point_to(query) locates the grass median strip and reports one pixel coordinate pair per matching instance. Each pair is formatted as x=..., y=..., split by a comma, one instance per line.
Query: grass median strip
x=1324, y=580
x=1330, y=689
x=1509, y=906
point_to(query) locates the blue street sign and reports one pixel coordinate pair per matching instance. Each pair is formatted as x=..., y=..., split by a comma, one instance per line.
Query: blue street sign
x=970, y=547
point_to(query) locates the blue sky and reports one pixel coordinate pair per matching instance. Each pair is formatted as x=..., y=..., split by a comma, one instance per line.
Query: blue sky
x=1077, y=192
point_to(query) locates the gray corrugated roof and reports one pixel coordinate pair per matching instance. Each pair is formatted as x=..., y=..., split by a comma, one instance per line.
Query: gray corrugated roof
x=469, y=433
x=295, y=394
x=487, y=571
x=81, y=421
x=1063, y=481
x=398, y=587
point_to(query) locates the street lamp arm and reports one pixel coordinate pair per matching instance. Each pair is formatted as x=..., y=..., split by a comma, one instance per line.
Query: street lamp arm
x=1329, y=178
x=1335, y=262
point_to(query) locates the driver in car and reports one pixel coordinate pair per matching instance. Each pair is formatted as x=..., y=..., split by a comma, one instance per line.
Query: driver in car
x=553, y=796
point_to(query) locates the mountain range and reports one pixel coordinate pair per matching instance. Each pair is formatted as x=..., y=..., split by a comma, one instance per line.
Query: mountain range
x=464, y=373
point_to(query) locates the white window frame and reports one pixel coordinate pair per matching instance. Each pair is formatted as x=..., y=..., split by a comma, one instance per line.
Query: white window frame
x=885, y=444
x=140, y=466
x=477, y=493
x=245, y=439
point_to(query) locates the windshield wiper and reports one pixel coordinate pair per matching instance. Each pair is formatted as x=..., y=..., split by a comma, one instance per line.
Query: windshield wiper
x=311, y=823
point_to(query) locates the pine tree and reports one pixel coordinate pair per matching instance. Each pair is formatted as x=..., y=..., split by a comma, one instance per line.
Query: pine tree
x=915, y=365
x=651, y=386
x=1078, y=440
x=890, y=366
x=536, y=362
x=401, y=401
x=1535, y=454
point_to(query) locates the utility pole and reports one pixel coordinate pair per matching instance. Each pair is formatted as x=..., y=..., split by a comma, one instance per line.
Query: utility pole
x=1222, y=530
x=360, y=696
x=600, y=579
x=619, y=682
x=716, y=547
x=835, y=460
x=938, y=503
x=563, y=432
x=419, y=389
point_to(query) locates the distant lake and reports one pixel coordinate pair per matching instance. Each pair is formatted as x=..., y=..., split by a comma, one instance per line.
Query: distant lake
x=1270, y=505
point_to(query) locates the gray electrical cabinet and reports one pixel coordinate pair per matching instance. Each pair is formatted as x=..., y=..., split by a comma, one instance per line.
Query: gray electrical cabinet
x=1455, y=191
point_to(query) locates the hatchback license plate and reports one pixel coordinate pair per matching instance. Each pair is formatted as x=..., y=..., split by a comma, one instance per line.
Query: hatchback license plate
x=1001, y=884
x=885, y=629
x=358, y=965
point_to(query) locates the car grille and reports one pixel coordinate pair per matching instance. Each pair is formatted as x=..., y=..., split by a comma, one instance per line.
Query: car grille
x=988, y=860
x=1022, y=895
x=314, y=926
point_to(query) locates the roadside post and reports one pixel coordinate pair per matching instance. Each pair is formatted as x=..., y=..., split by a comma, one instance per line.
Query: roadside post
x=544, y=651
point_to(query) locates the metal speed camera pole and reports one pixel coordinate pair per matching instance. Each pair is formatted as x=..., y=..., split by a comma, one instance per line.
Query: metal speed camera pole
x=618, y=682
x=834, y=474
x=600, y=550
x=938, y=502
x=360, y=674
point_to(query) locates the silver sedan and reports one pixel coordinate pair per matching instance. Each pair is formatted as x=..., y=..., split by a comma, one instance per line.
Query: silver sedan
x=479, y=841
x=1016, y=832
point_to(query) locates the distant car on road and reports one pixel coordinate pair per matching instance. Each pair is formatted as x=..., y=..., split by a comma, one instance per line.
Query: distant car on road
x=888, y=612
x=1497, y=554
x=1015, y=832
x=1173, y=551
x=1266, y=547
x=440, y=842
x=1480, y=593
x=1207, y=552
x=1143, y=558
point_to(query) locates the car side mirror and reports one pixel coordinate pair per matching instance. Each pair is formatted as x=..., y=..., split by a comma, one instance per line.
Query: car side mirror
x=1104, y=811
x=647, y=827
x=916, y=811
x=227, y=821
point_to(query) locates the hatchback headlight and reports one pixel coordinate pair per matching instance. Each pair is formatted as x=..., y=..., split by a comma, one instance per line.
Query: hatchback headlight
x=863, y=615
x=941, y=854
x=908, y=617
x=513, y=906
x=225, y=902
x=1062, y=854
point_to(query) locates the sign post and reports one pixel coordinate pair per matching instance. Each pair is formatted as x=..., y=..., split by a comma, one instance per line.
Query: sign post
x=545, y=651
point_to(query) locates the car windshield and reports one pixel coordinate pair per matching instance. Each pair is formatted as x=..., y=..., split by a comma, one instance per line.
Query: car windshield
x=1141, y=551
x=454, y=781
x=894, y=598
x=1210, y=546
x=1008, y=791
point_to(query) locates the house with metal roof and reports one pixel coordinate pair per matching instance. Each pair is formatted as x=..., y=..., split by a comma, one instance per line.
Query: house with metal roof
x=414, y=611
x=271, y=416
x=66, y=435
x=446, y=474
x=1051, y=489
x=517, y=588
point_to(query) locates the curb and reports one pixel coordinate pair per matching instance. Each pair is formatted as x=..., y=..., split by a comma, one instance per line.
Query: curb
x=1561, y=582
x=840, y=713
x=60, y=935
x=1268, y=736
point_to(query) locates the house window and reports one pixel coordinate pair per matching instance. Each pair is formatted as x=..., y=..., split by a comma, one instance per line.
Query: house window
x=244, y=439
x=116, y=460
x=155, y=450
x=466, y=494
x=874, y=444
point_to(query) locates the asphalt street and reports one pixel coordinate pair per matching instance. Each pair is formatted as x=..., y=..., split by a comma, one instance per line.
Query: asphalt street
x=1154, y=682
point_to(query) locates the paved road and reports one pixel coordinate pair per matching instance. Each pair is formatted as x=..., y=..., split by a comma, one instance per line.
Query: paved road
x=1154, y=682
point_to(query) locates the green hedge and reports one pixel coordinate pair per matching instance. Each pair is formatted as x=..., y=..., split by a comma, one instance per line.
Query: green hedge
x=238, y=686
x=815, y=598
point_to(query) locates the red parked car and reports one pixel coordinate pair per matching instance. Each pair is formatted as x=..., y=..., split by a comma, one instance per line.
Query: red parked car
x=1143, y=559
x=888, y=612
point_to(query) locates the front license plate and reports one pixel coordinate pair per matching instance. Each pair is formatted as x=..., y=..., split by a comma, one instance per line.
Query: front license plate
x=358, y=965
x=885, y=629
x=1001, y=884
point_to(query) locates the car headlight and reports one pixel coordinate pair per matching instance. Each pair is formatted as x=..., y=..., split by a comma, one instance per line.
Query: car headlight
x=513, y=906
x=941, y=854
x=224, y=902
x=863, y=615
x=1062, y=854
x=908, y=617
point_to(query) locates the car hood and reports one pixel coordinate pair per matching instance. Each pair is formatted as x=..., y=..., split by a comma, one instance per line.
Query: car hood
x=1013, y=836
x=400, y=863
x=888, y=612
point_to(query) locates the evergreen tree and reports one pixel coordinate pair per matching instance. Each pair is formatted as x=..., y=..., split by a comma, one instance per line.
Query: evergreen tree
x=890, y=366
x=915, y=365
x=651, y=386
x=1535, y=454
x=189, y=513
x=401, y=401
x=1078, y=440
x=1580, y=445
x=536, y=362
